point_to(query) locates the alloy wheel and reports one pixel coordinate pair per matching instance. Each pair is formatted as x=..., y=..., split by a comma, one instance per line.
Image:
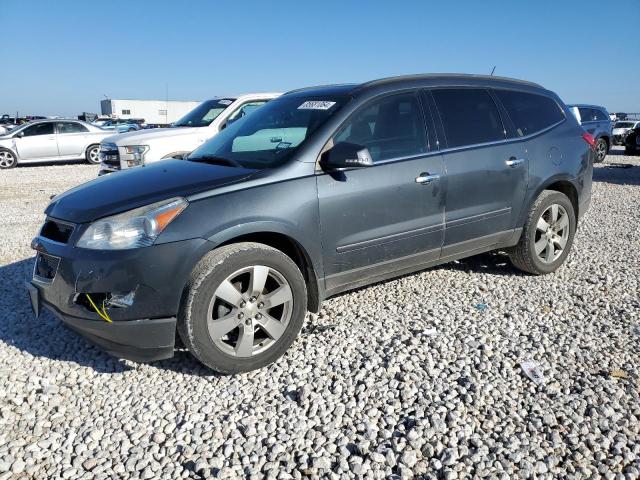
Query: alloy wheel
x=249, y=311
x=7, y=159
x=94, y=155
x=601, y=150
x=552, y=233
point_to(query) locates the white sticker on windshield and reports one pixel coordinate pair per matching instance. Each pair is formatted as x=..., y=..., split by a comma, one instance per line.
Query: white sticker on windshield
x=225, y=102
x=316, y=105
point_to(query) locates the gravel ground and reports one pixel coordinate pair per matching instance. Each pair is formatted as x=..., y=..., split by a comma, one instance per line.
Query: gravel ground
x=420, y=376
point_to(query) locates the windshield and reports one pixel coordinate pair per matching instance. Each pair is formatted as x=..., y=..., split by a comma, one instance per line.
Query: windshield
x=204, y=114
x=272, y=134
x=623, y=125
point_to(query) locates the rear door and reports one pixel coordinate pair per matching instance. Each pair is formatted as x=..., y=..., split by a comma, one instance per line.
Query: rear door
x=72, y=138
x=486, y=176
x=389, y=216
x=37, y=142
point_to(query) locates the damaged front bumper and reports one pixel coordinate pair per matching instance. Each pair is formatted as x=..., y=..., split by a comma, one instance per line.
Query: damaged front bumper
x=142, y=331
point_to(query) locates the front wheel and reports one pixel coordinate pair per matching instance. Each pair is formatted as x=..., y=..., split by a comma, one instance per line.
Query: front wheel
x=7, y=159
x=547, y=235
x=243, y=307
x=93, y=154
x=602, y=148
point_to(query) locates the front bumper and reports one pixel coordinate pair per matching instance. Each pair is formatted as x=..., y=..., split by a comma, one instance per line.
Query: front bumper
x=145, y=340
x=143, y=331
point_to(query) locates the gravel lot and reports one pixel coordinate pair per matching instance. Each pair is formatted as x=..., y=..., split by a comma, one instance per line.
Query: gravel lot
x=413, y=377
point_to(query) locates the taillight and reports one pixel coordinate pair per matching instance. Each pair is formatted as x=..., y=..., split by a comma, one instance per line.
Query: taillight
x=589, y=139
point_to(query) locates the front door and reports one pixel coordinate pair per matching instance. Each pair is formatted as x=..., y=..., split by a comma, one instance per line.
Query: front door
x=38, y=141
x=388, y=217
x=486, y=176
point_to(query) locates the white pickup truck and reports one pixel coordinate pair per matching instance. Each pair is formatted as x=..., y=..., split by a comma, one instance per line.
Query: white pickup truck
x=134, y=149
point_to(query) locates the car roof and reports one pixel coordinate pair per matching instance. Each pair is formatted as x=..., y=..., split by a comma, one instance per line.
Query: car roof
x=419, y=80
x=587, y=105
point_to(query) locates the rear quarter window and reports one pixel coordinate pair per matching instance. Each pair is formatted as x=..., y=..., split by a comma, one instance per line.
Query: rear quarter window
x=530, y=112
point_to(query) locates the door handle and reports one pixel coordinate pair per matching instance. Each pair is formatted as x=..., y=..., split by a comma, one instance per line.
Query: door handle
x=424, y=178
x=514, y=162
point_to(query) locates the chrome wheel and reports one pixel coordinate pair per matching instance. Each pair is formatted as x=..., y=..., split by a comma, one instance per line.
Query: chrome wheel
x=250, y=311
x=94, y=155
x=552, y=233
x=7, y=159
x=601, y=150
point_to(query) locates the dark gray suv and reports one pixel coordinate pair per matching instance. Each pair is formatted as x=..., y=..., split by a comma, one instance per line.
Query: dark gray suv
x=322, y=190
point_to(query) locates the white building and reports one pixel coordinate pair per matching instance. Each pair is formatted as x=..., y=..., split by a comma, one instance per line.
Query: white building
x=152, y=111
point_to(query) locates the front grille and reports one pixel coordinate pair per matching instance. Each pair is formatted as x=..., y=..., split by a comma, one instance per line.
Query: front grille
x=56, y=231
x=46, y=267
x=109, y=155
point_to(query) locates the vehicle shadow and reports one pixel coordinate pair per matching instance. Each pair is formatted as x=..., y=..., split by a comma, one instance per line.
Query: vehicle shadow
x=48, y=337
x=618, y=173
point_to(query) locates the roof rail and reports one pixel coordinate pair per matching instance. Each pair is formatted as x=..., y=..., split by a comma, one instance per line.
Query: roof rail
x=430, y=76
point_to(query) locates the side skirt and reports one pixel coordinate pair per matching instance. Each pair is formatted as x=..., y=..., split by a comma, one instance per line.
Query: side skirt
x=359, y=277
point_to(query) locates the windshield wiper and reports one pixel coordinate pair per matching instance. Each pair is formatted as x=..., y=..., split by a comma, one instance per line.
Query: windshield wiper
x=215, y=160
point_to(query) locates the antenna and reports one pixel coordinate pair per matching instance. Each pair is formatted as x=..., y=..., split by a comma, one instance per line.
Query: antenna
x=493, y=70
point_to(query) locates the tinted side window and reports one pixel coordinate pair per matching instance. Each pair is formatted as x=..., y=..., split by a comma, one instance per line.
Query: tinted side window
x=586, y=114
x=600, y=116
x=529, y=112
x=71, y=127
x=469, y=116
x=39, y=129
x=391, y=127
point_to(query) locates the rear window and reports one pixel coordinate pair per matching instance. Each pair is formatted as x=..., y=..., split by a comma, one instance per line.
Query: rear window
x=529, y=112
x=469, y=116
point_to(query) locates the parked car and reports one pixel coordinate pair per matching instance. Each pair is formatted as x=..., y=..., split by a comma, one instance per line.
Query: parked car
x=51, y=140
x=621, y=129
x=147, y=146
x=6, y=128
x=632, y=142
x=322, y=190
x=595, y=120
x=121, y=125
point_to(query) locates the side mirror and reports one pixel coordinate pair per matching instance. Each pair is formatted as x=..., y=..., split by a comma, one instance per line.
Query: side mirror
x=343, y=156
x=20, y=134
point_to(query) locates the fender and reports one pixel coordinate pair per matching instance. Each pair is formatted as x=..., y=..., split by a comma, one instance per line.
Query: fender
x=312, y=252
x=531, y=195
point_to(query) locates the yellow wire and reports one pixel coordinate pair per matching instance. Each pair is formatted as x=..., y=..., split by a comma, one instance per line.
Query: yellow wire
x=104, y=316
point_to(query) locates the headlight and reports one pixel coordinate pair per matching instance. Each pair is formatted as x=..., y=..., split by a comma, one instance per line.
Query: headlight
x=138, y=152
x=132, y=229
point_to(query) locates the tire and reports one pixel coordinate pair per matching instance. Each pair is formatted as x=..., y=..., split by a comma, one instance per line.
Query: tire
x=92, y=154
x=8, y=159
x=602, y=148
x=526, y=255
x=218, y=291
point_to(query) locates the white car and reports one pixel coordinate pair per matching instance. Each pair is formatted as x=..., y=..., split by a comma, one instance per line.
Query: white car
x=621, y=128
x=51, y=140
x=134, y=149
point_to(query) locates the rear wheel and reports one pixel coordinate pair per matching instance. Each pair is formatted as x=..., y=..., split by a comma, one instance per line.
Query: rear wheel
x=7, y=159
x=602, y=148
x=243, y=307
x=547, y=235
x=92, y=154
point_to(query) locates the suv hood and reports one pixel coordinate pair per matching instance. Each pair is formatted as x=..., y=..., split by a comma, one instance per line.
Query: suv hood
x=139, y=137
x=129, y=189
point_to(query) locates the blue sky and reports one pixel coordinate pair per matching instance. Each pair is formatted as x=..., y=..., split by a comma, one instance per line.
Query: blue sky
x=61, y=57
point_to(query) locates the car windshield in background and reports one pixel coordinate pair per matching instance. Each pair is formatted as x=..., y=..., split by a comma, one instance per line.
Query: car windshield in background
x=624, y=125
x=272, y=134
x=204, y=114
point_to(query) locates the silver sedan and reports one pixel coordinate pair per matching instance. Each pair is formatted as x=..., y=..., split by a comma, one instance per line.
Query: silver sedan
x=51, y=140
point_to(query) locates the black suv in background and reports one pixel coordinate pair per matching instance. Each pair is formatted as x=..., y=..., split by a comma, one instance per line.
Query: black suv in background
x=320, y=191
